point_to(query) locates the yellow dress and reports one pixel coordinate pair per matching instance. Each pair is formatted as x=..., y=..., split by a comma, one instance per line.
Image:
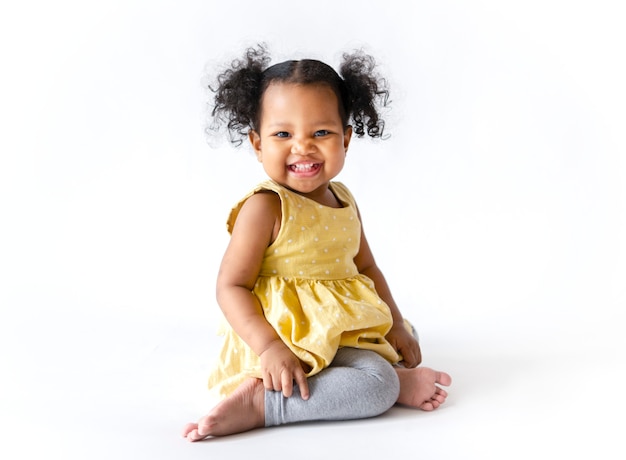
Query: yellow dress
x=310, y=290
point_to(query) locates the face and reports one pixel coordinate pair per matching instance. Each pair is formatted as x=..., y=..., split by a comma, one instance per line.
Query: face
x=301, y=140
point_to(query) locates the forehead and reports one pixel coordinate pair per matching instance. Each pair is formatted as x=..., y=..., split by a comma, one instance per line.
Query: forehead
x=288, y=95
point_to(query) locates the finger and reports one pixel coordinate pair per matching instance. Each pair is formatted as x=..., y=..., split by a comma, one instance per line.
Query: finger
x=276, y=383
x=287, y=383
x=303, y=384
x=408, y=357
x=267, y=381
x=270, y=383
x=417, y=353
x=405, y=354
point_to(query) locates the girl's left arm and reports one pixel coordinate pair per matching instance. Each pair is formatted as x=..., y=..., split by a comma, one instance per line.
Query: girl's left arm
x=401, y=339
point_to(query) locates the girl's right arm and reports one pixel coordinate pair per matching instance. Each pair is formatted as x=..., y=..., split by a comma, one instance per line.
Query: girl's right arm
x=256, y=227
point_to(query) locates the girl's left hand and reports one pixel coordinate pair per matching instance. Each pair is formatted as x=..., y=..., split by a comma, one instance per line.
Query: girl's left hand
x=406, y=345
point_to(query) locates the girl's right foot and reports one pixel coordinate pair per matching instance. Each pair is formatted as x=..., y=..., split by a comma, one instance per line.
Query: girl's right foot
x=243, y=410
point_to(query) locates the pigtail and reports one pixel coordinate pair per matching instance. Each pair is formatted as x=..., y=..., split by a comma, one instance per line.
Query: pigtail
x=367, y=94
x=237, y=95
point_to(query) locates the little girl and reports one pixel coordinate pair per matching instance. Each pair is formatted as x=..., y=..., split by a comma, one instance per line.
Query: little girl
x=313, y=331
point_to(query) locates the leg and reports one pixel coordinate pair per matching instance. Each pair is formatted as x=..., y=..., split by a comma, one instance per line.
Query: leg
x=358, y=384
x=418, y=387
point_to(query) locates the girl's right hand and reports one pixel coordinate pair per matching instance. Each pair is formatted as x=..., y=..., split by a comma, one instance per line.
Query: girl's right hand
x=280, y=367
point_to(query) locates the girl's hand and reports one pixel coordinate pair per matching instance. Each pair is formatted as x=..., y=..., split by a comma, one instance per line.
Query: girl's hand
x=405, y=344
x=280, y=367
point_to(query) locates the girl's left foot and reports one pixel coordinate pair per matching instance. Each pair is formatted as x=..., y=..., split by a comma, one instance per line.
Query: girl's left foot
x=418, y=387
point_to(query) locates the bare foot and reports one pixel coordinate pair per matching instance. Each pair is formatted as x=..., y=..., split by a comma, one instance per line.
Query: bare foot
x=418, y=387
x=242, y=411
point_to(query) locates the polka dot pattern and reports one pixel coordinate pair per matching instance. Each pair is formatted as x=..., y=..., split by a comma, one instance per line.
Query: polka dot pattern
x=315, y=241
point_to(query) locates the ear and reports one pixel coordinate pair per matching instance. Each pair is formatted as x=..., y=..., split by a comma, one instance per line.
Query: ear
x=347, y=135
x=255, y=140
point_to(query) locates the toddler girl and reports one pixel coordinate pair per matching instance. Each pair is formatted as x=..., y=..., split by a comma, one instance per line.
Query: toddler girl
x=313, y=331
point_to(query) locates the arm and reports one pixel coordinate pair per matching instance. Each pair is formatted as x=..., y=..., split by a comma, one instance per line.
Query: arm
x=256, y=226
x=403, y=342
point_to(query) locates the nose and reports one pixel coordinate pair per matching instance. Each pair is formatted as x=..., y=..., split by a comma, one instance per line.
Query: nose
x=301, y=146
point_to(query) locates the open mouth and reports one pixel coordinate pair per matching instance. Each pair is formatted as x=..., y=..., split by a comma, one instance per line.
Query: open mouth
x=304, y=168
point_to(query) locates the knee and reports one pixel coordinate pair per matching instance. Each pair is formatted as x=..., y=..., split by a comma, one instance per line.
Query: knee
x=388, y=389
x=384, y=388
x=378, y=384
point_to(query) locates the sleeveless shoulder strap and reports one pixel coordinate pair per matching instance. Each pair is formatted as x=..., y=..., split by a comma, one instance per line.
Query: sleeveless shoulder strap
x=266, y=185
x=343, y=194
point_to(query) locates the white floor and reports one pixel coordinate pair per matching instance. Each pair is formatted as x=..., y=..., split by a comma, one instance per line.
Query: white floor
x=79, y=386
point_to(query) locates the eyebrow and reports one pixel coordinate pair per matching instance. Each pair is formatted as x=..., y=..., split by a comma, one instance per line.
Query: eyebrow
x=279, y=124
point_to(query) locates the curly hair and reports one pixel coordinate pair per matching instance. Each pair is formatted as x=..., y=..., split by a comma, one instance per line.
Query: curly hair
x=238, y=91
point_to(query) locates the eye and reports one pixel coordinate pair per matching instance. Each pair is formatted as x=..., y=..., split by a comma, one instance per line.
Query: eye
x=282, y=134
x=322, y=132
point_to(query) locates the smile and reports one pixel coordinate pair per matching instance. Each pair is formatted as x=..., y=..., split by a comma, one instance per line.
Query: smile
x=305, y=167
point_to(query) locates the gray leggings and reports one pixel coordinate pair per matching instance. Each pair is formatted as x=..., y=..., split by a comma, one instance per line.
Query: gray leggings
x=357, y=384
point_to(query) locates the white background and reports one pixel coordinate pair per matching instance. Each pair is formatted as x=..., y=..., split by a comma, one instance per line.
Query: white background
x=496, y=209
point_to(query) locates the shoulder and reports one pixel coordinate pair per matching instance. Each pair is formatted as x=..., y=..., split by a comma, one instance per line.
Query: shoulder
x=343, y=193
x=262, y=204
x=262, y=201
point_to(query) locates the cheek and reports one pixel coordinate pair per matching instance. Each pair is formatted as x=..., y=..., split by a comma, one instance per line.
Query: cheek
x=339, y=160
x=272, y=162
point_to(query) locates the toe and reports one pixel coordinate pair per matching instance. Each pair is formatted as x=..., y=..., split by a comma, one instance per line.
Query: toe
x=188, y=428
x=192, y=435
x=427, y=406
x=444, y=379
